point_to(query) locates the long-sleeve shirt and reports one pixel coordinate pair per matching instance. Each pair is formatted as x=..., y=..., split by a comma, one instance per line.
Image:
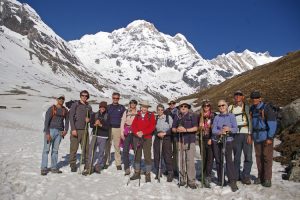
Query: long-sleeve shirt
x=222, y=120
x=144, y=123
x=78, y=113
x=127, y=118
x=56, y=120
x=164, y=125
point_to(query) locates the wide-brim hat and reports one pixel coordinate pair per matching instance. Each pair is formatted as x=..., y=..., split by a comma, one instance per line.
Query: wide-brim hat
x=184, y=102
x=145, y=104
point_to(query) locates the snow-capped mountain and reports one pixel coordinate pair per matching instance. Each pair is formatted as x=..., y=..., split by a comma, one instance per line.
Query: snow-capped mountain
x=140, y=58
x=33, y=56
x=137, y=61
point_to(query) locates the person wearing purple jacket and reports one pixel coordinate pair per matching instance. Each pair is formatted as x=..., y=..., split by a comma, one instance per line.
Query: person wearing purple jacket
x=224, y=124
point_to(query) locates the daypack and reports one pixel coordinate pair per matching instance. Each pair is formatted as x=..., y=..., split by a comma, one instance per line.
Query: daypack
x=272, y=115
x=243, y=113
x=54, y=110
x=70, y=103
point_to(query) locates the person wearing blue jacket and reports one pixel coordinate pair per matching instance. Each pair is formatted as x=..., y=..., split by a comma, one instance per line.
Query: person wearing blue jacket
x=224, y=124
x=263, y=130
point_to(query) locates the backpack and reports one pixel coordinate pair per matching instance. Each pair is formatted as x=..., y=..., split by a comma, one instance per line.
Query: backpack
x=70, y=103
x=54, y=110
x=243, y=113
x=167, y=118
x=272, y=113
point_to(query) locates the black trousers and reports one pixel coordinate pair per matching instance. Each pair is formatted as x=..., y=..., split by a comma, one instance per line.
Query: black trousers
x=166, y=152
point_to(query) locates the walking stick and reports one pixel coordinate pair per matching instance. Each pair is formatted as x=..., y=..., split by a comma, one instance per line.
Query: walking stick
x=224, y=141
x=93, y=149
x=179, y=158
x=202, y=157
x=160, y=152
x=83, y=142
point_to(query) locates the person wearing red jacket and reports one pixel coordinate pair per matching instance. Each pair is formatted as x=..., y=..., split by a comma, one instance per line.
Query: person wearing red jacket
x=143, y=126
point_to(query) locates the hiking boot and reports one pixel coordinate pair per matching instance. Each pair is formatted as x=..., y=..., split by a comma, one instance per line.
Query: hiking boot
x=56, y=171
x=267, y=183
x=73, y=169
x=105, y=166
x=182, y=183
x=192, y=185
x=97, y=169
x=233, y=186
x=127, y=172
x=85, y=172
x=170, y=177
x=119, y=167
x=246, y=181
x=148, y=177
x=44, y=172
x=136, y=175
x=257, y=181
x=207, y=182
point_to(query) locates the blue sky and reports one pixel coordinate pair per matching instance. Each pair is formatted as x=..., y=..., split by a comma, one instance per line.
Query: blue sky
x=212, y=26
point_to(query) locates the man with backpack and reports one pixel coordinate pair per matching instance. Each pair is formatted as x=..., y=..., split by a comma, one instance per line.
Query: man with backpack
x=243, y=138
x=115, y=111
x=185, y=124
x=80, y=113
x=263, y=130
x=143, y=126
x=55, y=129
x=162, y=146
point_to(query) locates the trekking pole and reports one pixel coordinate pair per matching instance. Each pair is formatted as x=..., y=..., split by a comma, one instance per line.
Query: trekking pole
x=83, y=142
x=93, y=149
x=160, y=160
x=202, y=157
x=186, y=165
x=141, y=146
x=179, y=159
x=224, y=140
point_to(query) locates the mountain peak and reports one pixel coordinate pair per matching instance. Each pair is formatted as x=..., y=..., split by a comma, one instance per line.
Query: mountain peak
x=141, y=24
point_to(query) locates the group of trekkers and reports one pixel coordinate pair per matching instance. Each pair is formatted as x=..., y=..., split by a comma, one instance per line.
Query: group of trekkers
x=222, y=137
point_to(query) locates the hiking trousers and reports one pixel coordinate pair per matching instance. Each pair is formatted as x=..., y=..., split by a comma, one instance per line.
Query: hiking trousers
x=74, y=144
x=240, y=145
x=264, y=160
x=186, y=155
x=166, y=153
x=140, y=144
x=115, y=138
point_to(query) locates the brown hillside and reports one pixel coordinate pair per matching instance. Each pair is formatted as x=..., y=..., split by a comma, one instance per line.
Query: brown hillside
x=279, y=82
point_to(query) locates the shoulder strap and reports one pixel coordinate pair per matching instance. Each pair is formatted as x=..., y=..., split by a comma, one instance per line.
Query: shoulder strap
x=53, y=111
x=149, y=115
x=167, y=118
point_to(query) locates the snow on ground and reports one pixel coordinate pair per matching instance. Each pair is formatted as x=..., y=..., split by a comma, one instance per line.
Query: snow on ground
x=21, y=143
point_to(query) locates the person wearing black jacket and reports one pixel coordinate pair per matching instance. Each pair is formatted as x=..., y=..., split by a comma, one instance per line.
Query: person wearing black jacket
x=99, y=122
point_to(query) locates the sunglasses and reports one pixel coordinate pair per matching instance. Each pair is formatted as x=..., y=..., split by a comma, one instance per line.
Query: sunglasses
x=61, y=98
x=207, y=105
x=221, y=105
x=116, y=98
x=184, y=106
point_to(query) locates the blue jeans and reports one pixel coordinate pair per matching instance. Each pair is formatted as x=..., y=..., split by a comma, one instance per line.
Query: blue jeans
x=54, y=144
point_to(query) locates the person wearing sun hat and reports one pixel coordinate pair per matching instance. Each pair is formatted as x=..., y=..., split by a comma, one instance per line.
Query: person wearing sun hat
x=143, y=126
x=56, y=126
x=185, y=124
